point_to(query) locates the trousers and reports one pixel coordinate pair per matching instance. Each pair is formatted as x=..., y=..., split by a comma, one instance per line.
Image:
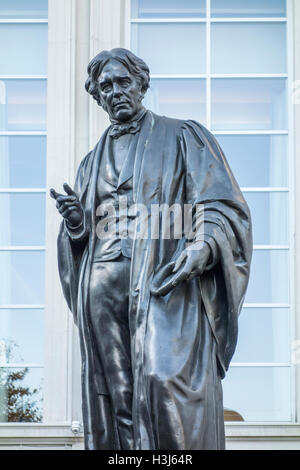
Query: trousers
x=108, y=307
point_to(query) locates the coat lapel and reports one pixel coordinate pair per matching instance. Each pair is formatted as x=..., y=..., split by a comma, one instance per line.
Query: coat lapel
x=144, y=138
x=127, y=168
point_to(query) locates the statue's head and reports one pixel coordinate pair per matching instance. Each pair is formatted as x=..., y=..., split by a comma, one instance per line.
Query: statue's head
x=118, y=81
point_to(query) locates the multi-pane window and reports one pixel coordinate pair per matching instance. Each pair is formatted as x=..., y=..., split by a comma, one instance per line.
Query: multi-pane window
x=23, y=88
x=224, y=63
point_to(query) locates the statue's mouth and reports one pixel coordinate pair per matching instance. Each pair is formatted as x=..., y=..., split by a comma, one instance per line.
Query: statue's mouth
x=120, y=104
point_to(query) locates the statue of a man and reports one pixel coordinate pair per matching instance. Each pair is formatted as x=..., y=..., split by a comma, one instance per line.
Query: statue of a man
x=156, y=309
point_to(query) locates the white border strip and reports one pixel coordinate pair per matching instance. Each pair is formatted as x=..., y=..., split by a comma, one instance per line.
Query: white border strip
x=22, y=190
x=265, y=305
x=167, y=20
x=251, y=132
x=162, y=76
x=22, y=307
x=266, y=189
x=8, y=133
x=23, y=20
x=212, y=20
x=23, y=248
x=250, y=20
x=260, y=364
x=21, y=365
x=270, y=247
x=23, y=77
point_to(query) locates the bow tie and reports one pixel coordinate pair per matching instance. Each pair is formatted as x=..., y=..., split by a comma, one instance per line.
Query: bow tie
x=126, y=128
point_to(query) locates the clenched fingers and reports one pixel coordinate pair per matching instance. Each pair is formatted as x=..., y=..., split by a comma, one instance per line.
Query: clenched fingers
x=68, y=211
x=180, y=260
x=183, y=273
x=64, y=203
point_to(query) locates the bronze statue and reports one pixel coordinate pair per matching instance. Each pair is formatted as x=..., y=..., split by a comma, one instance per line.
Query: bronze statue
x=157, y=310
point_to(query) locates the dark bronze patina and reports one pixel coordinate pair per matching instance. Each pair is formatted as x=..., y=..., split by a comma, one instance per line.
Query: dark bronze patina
x=157, y=316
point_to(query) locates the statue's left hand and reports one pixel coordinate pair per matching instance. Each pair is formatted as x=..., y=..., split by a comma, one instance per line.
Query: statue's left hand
x=69, y=206
x=190, y=263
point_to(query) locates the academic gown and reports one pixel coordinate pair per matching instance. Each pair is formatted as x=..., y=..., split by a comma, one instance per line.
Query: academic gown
x=181, y=343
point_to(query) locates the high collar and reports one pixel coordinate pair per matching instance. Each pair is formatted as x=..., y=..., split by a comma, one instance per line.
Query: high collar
x=137, y=117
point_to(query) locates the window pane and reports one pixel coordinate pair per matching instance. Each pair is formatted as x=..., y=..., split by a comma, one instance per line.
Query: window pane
x=19, y=9
x=25, y=219
x=167, y=8
x=259, y=393
x=248, y=8
x=28, y=45
x=257, y=160
x=22, y=277
x=21, y=394
x=23, y=105
x=269, y=213
x=264, y=335
x=171, y=48
x=181, y=99
x=22, y=162
x=235, y=46
x=254, y=104
x=21, y=336
x=269, y=277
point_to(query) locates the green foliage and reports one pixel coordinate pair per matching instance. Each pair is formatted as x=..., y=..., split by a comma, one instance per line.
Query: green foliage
x=18, y=403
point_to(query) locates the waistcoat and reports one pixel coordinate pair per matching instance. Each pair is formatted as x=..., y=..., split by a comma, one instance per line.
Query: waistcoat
x=114, y=185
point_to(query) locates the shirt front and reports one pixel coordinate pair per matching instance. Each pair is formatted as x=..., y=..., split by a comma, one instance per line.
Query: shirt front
x=114, y=193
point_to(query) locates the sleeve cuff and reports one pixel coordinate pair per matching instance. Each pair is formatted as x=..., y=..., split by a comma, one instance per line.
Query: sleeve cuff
x=78, y=233
x=208, y=237
x=214, y=253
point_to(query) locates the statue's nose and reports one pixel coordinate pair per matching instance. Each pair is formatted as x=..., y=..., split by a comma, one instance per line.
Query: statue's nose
x=117, y=90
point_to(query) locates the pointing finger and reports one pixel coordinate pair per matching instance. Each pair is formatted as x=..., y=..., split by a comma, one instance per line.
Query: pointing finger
x=69, y=190
x=57, y=196
x=53, y=193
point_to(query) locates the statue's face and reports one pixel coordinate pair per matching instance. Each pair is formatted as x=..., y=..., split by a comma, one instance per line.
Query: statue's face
x=120, y=92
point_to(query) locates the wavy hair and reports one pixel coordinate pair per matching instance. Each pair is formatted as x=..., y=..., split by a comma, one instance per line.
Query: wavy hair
x=136, y=66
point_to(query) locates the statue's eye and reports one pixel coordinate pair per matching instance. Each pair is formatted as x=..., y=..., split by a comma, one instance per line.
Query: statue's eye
x=105, y=87
x=125, y=82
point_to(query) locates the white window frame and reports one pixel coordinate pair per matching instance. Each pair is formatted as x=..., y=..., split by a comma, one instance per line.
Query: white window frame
x=6, y=428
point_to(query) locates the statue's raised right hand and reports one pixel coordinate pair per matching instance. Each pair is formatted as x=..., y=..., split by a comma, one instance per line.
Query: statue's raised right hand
x=69, y=206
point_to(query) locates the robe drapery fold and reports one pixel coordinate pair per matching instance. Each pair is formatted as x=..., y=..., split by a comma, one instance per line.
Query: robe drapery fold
x=181, y=343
